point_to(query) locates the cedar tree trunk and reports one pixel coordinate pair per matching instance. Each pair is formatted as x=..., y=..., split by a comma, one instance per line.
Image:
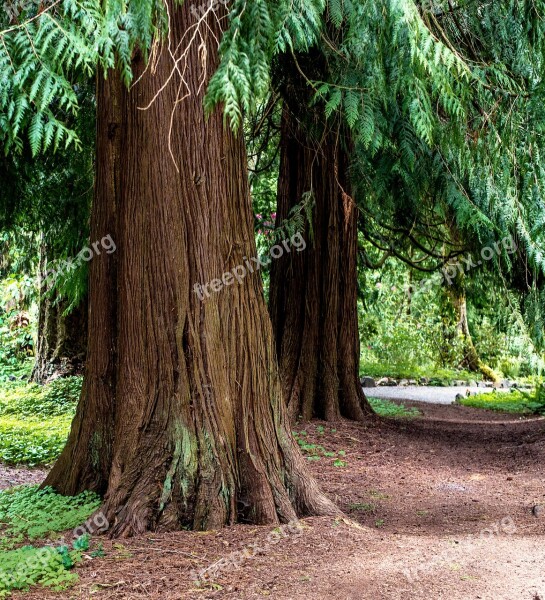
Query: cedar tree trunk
x=313, y=294
x=181, y=420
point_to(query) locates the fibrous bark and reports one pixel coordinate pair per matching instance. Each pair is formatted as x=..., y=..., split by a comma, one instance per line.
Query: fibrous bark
x=313, y=297
x=181, y=421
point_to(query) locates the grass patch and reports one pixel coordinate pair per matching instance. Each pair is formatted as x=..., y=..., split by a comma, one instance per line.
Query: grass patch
x=362, y=506
x=35, y=420
x=387, y=408
x=515, y=401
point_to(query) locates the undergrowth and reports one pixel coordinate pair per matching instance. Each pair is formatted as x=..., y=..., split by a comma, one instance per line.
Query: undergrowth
x=35, y=420
x=29, y=514
x=516, y=401
x=387, y=408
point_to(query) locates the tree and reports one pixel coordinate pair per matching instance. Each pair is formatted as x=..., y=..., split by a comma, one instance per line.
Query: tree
x=181, y=420
x=313, y=294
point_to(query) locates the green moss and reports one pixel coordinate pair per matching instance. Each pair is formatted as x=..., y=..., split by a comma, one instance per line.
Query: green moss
x=167, y=484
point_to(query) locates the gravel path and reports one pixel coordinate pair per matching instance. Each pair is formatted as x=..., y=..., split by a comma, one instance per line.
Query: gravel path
x=422, y=393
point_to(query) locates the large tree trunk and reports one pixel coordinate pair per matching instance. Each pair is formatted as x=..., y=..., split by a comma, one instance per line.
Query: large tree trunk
x=181, y=421
x=313, y=296
x=61, y=338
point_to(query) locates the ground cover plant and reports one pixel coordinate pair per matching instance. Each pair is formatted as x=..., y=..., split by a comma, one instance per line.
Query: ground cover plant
x=516, y=401
x=387, y=408
x=35, y=419
x=31, y=549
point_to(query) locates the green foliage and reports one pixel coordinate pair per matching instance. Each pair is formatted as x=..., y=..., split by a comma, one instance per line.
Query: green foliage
x=47, y=54
x=409, y=331
x=17, y=294
x=387, y=408
x=58, y=398
x=32, y=442
x=315, y=452
x=28, y=513
x=257, y=32
x=17, y=349
x=29, y=565
x=514, y=401
x=36, y=56
x=35, y=420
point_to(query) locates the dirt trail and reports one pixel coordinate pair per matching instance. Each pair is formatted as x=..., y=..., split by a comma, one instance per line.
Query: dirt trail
x=436, y=507
x=13, y=476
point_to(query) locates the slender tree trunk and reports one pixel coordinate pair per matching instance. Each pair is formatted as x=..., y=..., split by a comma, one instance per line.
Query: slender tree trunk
x=313, y=297
x=471, y=360
x=456, y=291
x=181, y=421
x=61, y=339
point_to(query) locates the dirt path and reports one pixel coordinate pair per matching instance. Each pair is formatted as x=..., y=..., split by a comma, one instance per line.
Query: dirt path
x=436, y=507
x=12, y=476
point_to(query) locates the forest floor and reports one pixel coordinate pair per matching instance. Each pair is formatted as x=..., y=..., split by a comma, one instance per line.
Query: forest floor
x=446, y=505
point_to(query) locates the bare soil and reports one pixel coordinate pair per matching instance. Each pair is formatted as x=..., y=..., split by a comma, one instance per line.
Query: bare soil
x=447, y=505
x=13, y=476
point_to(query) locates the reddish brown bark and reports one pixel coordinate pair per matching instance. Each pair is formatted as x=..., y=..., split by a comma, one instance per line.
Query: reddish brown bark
x=182, y=408
x=313, y=298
